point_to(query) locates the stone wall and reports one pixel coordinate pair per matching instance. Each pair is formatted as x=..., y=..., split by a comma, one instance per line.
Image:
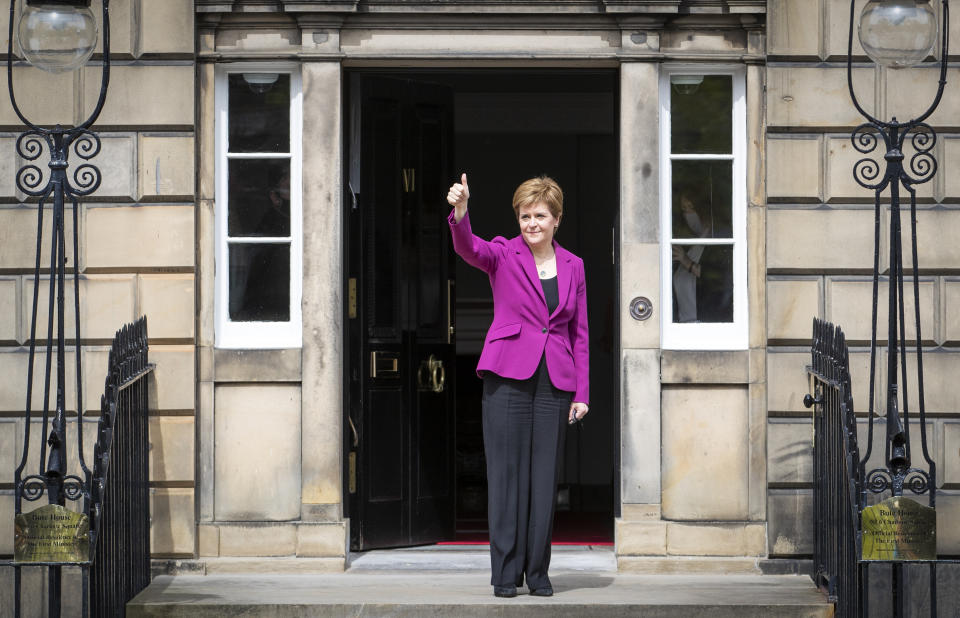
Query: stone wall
x=820, y=252
x=137, y=248
x=270, y=420
x=738, y=488
x=692, y=440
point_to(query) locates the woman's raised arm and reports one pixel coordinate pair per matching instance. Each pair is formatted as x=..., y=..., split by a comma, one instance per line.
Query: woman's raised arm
x=474, y=250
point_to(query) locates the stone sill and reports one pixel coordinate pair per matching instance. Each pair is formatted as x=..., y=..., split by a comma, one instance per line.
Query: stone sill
x=705, y=367
x=257, y=365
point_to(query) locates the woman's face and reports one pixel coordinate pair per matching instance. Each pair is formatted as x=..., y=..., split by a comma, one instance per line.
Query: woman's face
x=537, y=224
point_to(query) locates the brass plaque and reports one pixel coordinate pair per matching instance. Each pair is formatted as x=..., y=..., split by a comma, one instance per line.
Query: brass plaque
x=899, y=529
x=51, y=533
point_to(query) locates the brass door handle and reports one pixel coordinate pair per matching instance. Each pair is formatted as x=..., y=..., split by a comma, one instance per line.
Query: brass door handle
x=431, y=375
x=384, y=365
x=438, y=376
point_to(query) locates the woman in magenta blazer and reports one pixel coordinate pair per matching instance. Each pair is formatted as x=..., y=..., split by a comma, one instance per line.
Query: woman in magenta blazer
x=535, y=370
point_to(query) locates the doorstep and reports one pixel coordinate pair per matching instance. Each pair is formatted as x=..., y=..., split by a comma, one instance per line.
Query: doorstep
x=454, y=581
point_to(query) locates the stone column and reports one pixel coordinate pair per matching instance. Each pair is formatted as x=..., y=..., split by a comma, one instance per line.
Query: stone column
x=639, y=529
x=321, y=446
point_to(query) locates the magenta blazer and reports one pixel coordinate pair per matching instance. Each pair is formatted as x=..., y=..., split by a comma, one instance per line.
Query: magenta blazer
x=522, y=331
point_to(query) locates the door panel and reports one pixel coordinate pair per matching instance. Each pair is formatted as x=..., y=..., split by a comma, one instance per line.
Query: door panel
x=385, y=445
x=402, y=353
x=382, y=218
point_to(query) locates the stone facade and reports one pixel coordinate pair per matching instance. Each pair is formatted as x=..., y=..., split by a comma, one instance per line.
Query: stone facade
x=715, y=468
x=820, y=252
x=137, y=249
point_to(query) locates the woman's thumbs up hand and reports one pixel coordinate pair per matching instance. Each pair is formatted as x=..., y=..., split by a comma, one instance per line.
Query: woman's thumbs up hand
x=459, y=193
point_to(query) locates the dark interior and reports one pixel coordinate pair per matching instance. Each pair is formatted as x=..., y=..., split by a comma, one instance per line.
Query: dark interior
x=511, y=126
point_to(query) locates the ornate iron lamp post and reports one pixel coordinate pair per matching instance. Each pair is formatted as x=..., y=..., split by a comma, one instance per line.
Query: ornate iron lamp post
x=897, y=34
x=56, y=35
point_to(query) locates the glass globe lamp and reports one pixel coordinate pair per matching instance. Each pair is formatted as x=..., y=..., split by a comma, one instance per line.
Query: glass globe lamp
x=898, y=33
x=686, y=84
x=260, y=83
x=57, y=35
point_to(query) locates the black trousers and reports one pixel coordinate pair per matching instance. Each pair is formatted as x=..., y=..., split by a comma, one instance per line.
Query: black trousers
x=523, y=428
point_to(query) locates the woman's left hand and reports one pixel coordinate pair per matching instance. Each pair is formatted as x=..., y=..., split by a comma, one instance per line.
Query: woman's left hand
x=578, y=411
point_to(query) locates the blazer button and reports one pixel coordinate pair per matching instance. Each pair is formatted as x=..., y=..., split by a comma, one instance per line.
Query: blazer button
x=543, y=331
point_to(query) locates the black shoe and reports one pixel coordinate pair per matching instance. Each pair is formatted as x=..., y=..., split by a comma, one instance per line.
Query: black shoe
x=546, y=591
x=506, y=592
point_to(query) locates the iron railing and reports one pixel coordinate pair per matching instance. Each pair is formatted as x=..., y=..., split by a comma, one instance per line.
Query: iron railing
x=120, y=499
x=843, y=488
x=114, y=490
x=836, y=470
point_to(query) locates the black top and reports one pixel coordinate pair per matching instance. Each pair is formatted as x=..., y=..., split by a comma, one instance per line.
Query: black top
x=551, y=292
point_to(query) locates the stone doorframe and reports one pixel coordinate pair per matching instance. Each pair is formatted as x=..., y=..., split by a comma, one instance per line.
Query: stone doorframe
x=322, y=45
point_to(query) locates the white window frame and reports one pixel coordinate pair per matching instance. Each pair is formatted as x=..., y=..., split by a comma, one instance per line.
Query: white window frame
x=705, y=336
x=257, y=335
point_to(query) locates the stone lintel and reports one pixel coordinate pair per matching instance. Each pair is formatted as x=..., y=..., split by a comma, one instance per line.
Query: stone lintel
x=645, y=6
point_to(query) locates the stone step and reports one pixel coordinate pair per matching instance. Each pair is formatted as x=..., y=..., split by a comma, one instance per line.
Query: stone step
x=402, y=593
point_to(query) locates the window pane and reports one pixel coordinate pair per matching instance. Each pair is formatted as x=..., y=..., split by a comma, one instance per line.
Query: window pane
x=259, y=203
x=701, y=114
x=702, y=283
x=702, y=199
x=259, y=112
x=260, y=283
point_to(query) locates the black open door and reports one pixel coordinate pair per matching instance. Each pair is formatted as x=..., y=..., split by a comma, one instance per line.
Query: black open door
x=400, y=314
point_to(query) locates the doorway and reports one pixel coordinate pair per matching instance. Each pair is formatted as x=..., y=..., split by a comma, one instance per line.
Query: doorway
x=505, y=126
